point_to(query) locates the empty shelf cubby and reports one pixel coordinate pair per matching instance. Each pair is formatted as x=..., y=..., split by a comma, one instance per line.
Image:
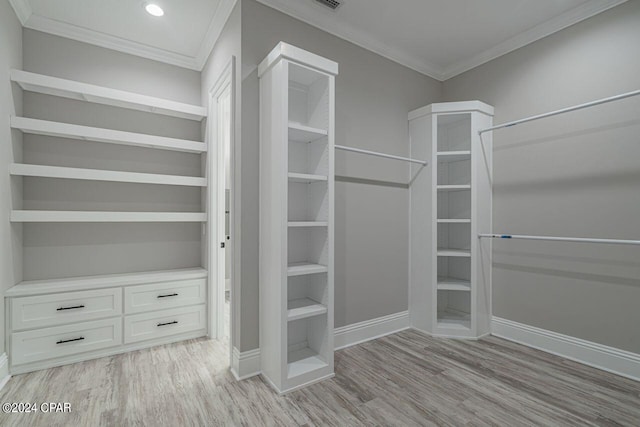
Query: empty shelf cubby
x=308, y=202
x=307, y=296
x=308, y=97
x=454, y=271
x=454, y=132
x=308, y=245
x=454, y=204
x=307, y=345
x=454, y=236
x=454, y=309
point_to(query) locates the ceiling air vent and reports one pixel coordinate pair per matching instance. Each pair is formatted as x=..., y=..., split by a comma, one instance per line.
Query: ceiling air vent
x=331, y=4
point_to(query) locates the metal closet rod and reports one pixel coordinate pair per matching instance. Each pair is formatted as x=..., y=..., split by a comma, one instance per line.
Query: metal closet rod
x=375, y=153
x=562, y=239
x=564, y=110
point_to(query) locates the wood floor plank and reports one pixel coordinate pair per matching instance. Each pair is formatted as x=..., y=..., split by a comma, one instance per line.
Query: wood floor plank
x=403, y=379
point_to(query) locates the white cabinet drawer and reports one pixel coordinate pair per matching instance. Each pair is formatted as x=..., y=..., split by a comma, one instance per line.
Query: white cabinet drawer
x=147, y=326
x=56, y=309
x=49, y=343
x=158, y=296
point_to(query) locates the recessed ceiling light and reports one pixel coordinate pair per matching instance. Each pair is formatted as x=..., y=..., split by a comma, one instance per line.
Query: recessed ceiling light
x=153, y=9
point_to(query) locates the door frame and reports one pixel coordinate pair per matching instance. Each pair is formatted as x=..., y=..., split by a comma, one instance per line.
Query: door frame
x=216, y=210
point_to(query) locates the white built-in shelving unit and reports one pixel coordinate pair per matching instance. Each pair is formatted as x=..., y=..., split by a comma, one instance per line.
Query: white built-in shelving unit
x=58, y=320
x=451, y=200
x=296, y=217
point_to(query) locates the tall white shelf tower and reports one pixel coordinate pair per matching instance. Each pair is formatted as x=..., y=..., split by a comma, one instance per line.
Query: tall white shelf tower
x=296, y=216
x=450, y=205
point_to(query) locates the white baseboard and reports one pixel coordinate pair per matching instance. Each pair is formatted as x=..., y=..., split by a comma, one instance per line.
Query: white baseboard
x=4, y=370
x=245, y=364
x=357, y=333
x=599, y=356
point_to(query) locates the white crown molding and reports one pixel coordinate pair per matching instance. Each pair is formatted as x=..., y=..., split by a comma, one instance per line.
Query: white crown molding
x=330, y=25
x=599, y=356
x=22, y=8
x=63, y=29
x=25, y=14
x=560, y=22
x=324, y=22
x=220, y=17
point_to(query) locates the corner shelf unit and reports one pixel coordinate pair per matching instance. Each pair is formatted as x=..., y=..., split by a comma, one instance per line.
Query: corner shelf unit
x=121, y=311
x=451, y=293
x=296, y=217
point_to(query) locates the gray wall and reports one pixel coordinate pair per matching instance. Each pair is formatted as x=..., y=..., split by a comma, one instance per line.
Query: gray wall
x=63, y=250
x=227, y=46
x=572, y=175
x=373, y=97
x=10, y=151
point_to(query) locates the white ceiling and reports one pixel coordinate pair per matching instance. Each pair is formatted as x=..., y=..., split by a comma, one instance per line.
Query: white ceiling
x=440, y=38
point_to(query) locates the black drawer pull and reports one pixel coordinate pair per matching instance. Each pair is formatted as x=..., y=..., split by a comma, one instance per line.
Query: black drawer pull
x=70, y=308
x=72, y=340
x=168, y=323
x=167, y=295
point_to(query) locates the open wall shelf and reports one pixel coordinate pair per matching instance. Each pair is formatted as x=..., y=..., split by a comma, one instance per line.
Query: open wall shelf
x=105, y=216
x=48, y=85
x=108, y=136
x=44, y=171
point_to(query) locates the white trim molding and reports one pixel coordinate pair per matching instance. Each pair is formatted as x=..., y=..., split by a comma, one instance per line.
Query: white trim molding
x=223, y=12
x=599, y=356
x=22, y=8
x=560, y=22
x=4, y=370
x=245, y=364
x=30, y=20
x=357, y=333
x=327, y=22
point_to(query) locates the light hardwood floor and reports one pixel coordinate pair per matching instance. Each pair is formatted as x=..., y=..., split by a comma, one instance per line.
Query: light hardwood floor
x=403, y=379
